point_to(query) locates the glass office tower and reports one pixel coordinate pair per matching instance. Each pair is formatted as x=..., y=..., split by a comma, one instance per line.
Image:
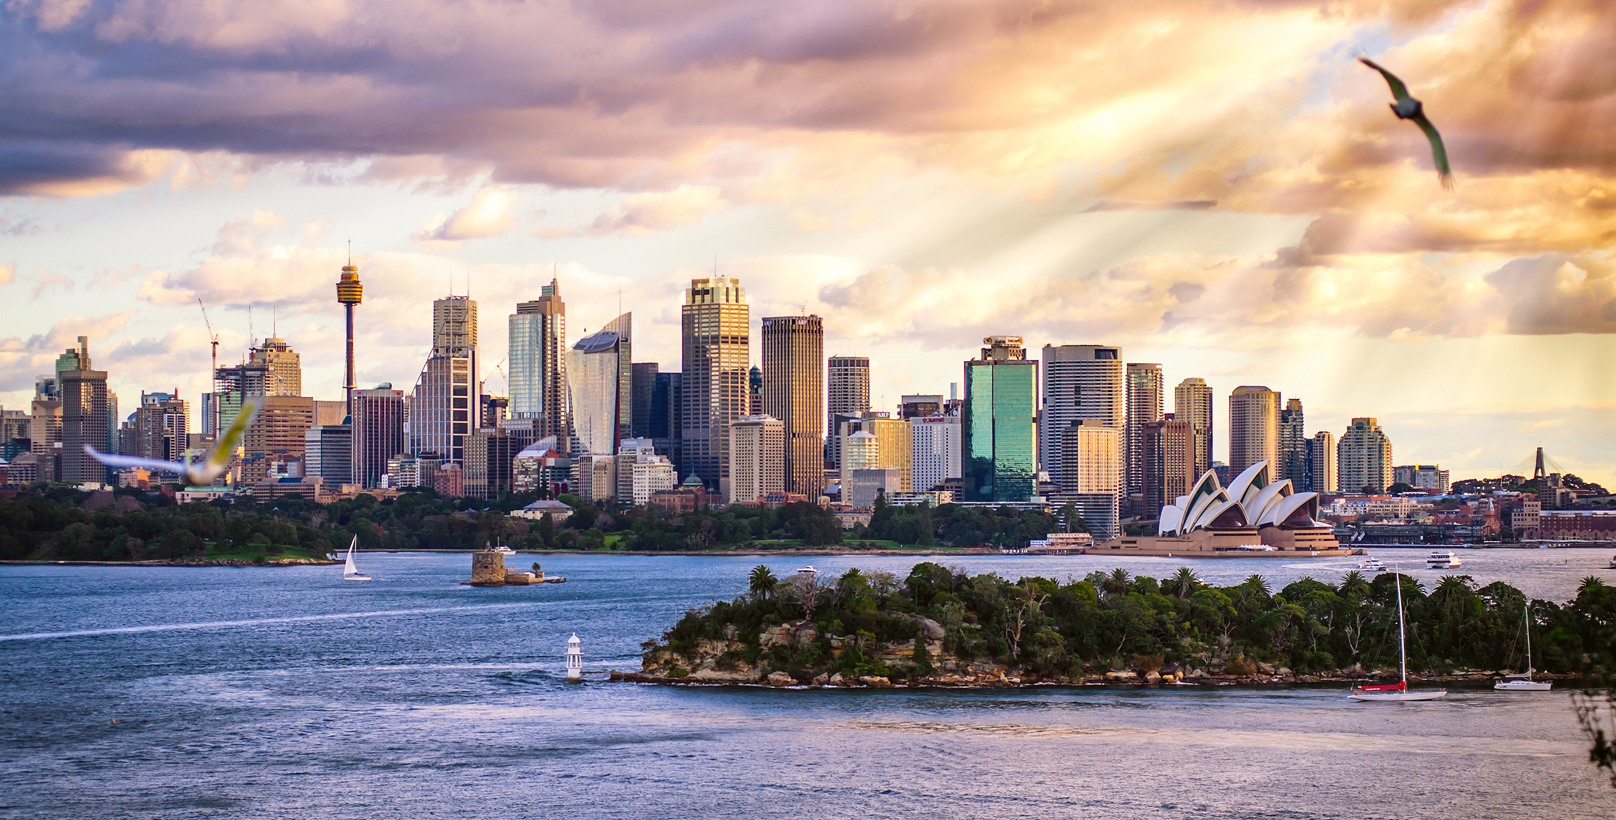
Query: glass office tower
x=998, y=429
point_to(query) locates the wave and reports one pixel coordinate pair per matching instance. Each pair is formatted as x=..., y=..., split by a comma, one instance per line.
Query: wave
x=288, y=619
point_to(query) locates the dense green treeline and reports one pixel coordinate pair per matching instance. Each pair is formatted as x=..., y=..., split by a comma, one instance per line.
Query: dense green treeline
x=1115, y=621
x=65, y=524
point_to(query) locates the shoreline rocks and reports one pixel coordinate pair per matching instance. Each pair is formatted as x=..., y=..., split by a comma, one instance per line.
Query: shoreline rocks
x=720, y=663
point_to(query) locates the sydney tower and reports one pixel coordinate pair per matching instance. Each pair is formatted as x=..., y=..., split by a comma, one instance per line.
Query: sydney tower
x=349, y=293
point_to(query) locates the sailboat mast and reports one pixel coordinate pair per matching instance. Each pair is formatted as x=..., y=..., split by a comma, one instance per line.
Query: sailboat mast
x=1402, y=651
x=1526, y=617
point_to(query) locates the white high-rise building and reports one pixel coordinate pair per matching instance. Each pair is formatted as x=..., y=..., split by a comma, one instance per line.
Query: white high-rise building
x=1081, y=382
x=640, y=472
x=1091, y=457
x=1364, y=457
x=934, y=450
x=757, y=458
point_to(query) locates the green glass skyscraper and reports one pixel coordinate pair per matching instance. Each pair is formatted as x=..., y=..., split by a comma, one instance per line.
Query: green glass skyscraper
x=998, y=428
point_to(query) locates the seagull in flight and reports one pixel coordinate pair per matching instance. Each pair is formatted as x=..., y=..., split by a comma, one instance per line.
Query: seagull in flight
x=1408, y=108
x=194, y=472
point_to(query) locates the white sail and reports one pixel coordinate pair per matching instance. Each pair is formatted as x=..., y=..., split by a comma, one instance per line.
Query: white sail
x=350, y=570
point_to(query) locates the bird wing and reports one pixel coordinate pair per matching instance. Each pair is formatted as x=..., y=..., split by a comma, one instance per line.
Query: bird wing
x=134, y=461
x=1439, y=152
x=1399, y=90
x=218, y=457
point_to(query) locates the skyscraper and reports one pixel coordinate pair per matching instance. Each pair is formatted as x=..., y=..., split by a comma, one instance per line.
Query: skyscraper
x=377, y=433
x=1091, y=457
x=1169, y=462
x=283, y=369
x=350, y=292
x=757, y=458
x=894, y=442
x=85, y=416
x=1364, y=457
x=1144, y=389
x=847, y=391
x=667, y=417
x=278, y=433
x=1292, y=448
x=328, y=453
x=919, y=405
x=999, y=448
x=160, y=428
x=1081, y=382
x=643, y=393
x=1192, y=402
x=538, y=362
x=793, y=391
x=1321, y=463
x=716, y=325
x=1253, y=428
x=934, y=450
x=600, y=375
x=444, y=407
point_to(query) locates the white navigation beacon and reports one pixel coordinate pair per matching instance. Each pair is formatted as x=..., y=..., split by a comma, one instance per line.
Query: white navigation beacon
x=575, y=659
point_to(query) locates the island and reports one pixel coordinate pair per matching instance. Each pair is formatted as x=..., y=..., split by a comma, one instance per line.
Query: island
x=943, y=627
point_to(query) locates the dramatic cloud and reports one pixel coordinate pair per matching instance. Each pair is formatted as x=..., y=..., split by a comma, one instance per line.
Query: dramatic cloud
x=21, y=359
x=489, y=214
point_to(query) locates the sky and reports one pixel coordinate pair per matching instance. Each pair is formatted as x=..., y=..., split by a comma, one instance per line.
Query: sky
x=1218, y=187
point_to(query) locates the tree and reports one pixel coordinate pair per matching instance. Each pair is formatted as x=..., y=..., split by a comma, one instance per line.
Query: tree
x=1399, y=488
x=762, y=583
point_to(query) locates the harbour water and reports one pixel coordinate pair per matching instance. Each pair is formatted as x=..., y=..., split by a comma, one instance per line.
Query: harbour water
x=288, y=693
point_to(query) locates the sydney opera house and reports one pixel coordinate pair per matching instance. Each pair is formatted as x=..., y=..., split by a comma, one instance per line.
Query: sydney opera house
x=1251, y=517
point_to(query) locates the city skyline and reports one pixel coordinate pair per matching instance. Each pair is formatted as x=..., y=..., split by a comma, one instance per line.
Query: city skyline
x=919, y=186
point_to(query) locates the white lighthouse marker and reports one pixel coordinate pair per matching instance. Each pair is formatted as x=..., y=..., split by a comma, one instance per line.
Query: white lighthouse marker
x=575, y=659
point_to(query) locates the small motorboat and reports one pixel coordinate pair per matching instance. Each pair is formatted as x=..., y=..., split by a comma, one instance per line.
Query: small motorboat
x=808, y=570
x=1443, y=560
x=1612, y=562
x=504, y=550
x=1372, y=565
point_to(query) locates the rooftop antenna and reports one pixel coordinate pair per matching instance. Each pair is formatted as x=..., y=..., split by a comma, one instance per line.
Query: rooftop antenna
x=275, y=321
x=252, y=340
x=350, y=253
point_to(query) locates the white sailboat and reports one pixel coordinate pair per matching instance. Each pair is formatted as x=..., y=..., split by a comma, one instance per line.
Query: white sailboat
x=1524, y=683
x=1398, y=691
x=350, y=570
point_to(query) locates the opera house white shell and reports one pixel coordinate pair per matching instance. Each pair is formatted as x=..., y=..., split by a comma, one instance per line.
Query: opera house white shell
x=1250, y=501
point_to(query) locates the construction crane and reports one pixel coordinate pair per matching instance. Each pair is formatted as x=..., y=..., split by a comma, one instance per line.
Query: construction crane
x=213, y=374
x=483, y=382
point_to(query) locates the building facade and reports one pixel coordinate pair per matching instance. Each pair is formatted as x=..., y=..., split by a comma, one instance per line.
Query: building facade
x=445, y=409
x=1169, y=462
x=847, y=392
x=377, y=434
x=1091, y=458
x=934, y=450
x=278, y=434
x=1422, y=477
x=538, y=362
x=998, y=442
x=1192, y=402
x=1081, y=382
x=757, y=458
x=88, y=417
x=643, y=394
x=1321, y=463
x=641, y=472
x=1364, y=457
x=601, y=378
x=328, y=453
x=716, y=348
x=793, y=391
x=1144, y=406
x=1253, y=427
x=1291, y=463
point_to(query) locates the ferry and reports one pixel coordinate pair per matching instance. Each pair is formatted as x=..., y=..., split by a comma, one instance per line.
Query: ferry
x=1372, y=565
x=1443, y=560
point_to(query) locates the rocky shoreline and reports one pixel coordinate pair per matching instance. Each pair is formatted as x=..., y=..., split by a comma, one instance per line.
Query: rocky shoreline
x=719, y=663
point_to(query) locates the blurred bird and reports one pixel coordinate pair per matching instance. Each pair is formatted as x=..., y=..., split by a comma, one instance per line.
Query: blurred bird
x=195, y=473
x=1408, y=108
